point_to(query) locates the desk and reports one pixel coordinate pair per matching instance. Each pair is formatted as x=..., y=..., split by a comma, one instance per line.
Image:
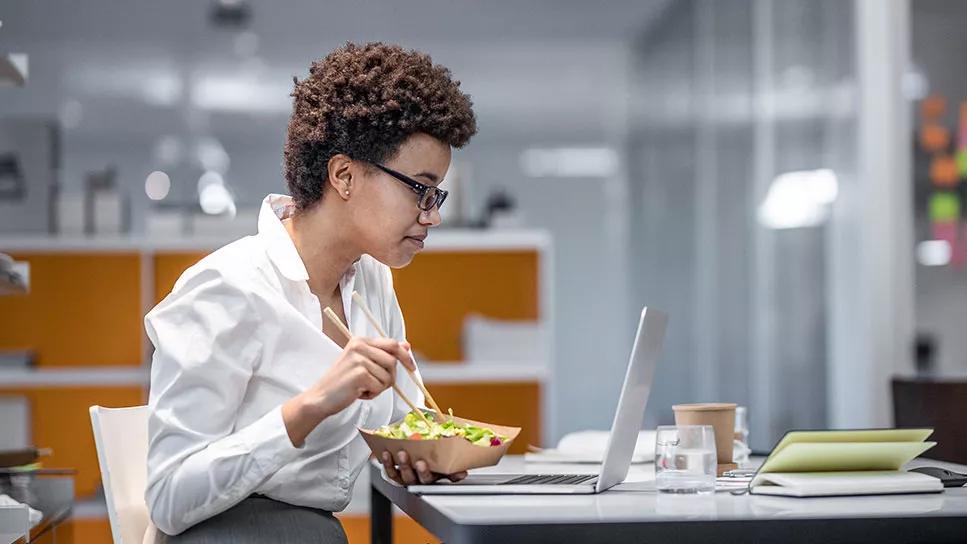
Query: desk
x=54, y=497
x=635, y=512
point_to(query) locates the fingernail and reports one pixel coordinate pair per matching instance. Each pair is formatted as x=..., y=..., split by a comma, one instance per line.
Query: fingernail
x=386, y=456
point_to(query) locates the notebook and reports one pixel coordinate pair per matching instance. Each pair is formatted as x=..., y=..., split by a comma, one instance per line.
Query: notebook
x=829, y=463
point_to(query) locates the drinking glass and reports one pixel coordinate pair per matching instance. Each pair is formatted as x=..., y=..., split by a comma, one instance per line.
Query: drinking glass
x=685, y=460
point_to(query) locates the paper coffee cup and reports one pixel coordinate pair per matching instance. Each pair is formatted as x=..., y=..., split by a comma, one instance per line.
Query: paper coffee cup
x=721, y=416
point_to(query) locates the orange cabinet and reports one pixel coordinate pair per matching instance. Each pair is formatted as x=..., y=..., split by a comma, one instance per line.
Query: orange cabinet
x=83, y=309
x=60, y=421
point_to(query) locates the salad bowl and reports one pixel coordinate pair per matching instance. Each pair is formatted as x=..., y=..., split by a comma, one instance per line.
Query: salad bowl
x=444, y=447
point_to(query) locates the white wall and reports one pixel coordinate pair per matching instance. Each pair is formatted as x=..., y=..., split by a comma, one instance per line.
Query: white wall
x=728, y=96
x=586, y=219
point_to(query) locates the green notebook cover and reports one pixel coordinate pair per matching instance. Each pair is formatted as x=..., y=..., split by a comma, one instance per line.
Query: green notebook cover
x=830, y=451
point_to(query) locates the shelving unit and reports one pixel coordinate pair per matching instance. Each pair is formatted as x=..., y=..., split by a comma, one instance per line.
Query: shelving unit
x=442, y=239
x=138, y=376
x=83, y=319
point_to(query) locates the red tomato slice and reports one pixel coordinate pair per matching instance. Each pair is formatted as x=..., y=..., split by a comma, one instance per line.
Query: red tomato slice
x=416, y=436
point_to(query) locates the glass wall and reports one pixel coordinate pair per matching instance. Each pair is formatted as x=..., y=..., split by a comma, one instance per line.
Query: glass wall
x=743, y=128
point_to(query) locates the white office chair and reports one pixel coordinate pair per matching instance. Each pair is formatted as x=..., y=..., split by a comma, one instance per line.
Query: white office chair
x=121, y=437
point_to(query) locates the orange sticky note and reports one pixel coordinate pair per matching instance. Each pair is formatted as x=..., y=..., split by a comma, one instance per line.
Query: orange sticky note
x=943, y=171
x=932, y=107
x=934, y=138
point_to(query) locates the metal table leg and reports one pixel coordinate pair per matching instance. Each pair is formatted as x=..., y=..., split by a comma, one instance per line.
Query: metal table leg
x=381, y=517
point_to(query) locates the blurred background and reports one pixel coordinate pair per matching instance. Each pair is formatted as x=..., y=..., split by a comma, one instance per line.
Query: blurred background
x=783, y=177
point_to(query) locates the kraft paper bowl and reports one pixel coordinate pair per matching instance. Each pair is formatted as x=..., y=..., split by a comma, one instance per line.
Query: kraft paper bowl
x=446, y=455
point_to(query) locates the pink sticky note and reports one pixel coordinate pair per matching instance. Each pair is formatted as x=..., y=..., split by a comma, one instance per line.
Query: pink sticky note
x=945, y=231
x=958, y=250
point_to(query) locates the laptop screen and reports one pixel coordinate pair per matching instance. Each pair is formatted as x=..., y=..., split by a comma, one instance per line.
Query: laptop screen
x=634, y=397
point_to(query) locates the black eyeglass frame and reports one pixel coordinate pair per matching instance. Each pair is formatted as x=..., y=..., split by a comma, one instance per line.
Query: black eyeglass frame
x=419, y=188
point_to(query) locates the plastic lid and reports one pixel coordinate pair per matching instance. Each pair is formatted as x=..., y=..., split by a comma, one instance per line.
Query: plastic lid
x=704, y=407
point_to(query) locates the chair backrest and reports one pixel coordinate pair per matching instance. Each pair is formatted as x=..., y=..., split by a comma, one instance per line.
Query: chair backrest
x=121, y=437
x=940, y=404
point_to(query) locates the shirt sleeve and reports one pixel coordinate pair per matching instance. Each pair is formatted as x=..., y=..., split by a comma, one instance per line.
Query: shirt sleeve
x=397, y=330
x=199, y=464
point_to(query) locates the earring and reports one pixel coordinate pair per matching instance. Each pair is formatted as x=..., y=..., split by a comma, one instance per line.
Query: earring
x=347, y=193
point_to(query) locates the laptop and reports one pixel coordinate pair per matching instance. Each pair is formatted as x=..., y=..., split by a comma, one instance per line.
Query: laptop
x=621, y=444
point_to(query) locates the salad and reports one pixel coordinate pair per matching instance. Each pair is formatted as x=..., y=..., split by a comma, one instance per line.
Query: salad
x=414, y=428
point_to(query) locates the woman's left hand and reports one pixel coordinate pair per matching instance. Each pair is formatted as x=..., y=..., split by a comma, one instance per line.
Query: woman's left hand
x=405, y=471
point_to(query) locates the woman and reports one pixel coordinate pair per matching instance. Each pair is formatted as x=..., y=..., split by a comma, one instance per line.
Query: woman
x=255, y=398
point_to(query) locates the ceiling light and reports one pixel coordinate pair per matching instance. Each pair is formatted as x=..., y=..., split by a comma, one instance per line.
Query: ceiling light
x=799, y=199
x=570, y=162
x=157, y=185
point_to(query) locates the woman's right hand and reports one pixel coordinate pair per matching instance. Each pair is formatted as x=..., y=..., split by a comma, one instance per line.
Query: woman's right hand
x=366, y=368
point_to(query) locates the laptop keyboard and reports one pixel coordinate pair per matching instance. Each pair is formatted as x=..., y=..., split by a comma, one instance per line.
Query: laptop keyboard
x=559, y=479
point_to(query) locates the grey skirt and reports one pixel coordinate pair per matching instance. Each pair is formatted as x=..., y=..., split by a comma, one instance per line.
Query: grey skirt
x=259, y=519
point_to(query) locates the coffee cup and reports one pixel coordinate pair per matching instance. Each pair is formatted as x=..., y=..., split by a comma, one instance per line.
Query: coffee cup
x=721, y=416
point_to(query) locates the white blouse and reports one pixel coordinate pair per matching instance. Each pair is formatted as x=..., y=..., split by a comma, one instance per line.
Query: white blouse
x=239, y=335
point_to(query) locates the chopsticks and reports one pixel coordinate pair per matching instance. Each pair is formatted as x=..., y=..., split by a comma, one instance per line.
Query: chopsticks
x=349, y=336
x=358, y=299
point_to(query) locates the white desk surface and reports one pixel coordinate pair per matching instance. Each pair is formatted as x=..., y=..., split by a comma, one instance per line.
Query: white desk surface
x=636, y=500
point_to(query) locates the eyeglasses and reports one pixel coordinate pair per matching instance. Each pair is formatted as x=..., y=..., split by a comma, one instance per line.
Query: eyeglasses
x=430, y=196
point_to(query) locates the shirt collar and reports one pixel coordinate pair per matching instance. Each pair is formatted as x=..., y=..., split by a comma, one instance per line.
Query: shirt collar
x=278, y=243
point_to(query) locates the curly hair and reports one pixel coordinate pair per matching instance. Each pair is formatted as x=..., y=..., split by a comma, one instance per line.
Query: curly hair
x=364, y=101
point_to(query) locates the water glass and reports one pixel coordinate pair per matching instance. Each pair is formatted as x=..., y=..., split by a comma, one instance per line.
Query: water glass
x=685, y=459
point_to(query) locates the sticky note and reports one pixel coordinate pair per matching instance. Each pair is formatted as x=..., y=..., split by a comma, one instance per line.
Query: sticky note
x=934, y=138
x=944, y=207
x=943, y=171
x=961, y=158
x=932, y=107
x=944, y=231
